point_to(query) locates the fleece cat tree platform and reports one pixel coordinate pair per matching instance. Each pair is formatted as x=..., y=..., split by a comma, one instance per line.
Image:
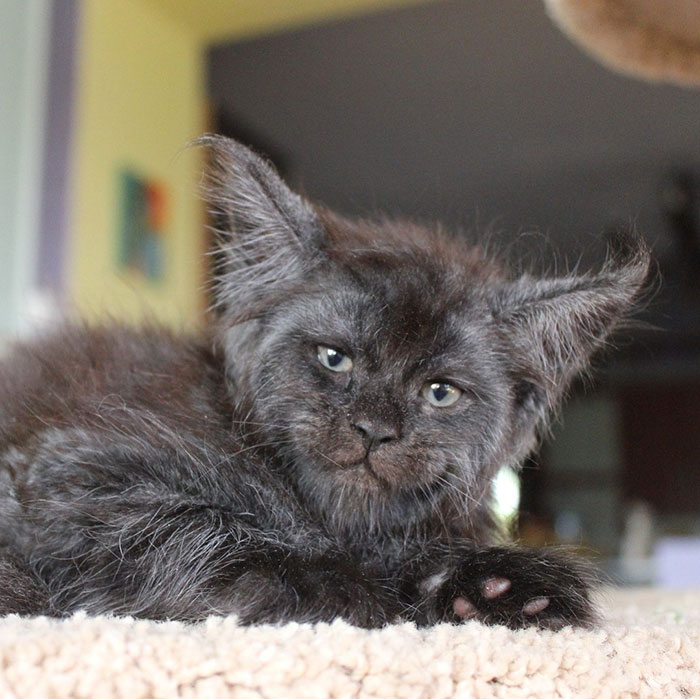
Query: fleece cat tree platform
x=648, y=645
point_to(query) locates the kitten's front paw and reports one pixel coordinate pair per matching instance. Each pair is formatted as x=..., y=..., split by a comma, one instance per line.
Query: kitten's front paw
x=518, y=588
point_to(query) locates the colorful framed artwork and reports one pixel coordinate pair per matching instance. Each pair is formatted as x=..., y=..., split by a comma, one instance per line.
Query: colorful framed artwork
x=142, y=225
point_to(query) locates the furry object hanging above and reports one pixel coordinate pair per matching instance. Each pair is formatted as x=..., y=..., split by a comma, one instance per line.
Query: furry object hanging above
x=652, y=39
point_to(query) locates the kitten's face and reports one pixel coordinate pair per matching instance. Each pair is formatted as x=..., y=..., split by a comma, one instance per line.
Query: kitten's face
x=393, y=367
x=384, y=392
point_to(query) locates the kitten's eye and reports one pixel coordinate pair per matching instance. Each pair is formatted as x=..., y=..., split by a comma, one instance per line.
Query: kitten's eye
x=441, y=394
x=333, y=359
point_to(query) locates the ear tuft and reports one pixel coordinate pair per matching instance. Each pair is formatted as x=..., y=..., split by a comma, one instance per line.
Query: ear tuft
x=629, y=259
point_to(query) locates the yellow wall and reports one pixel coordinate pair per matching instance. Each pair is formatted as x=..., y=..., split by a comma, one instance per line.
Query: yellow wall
x=140, y=100
x=218, y=20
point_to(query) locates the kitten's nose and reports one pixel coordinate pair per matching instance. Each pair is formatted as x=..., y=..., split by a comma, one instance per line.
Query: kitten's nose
x=374, y=433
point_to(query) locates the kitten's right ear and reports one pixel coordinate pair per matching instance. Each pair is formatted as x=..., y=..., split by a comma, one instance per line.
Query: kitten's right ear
x=268, y=237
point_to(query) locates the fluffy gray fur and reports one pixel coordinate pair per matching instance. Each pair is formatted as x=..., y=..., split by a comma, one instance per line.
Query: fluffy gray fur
x=147, y=473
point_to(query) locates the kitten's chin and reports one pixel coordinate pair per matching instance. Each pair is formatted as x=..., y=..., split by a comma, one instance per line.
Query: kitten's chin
x=361, y=474
x=355, y=500
x=365, y=475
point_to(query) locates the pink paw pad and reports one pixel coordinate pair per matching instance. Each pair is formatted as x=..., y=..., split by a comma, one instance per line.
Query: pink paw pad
x=536, y=605
x=495, y=587
x=464, y=608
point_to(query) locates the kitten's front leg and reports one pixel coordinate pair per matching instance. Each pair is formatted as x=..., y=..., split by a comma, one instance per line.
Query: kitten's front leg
x=285, y=586
x=510, y=586
x=21, y=592
x=112, y=530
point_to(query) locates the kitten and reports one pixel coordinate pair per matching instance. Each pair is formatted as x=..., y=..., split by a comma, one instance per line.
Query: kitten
x=325, y=450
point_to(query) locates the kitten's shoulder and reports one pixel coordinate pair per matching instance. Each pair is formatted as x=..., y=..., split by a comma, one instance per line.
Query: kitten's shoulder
x=70, y=371
x=83, y=352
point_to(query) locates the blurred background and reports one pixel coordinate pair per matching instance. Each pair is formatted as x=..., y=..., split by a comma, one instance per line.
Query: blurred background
x=480, y=114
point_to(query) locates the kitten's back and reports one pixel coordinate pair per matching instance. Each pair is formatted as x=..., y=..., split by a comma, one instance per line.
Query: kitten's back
x=75, y=375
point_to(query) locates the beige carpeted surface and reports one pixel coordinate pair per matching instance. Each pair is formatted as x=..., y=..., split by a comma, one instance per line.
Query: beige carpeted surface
x=648, y=646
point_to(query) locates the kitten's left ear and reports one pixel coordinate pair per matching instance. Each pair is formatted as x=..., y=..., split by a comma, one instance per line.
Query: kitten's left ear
x=268, y=236
x=556, y=324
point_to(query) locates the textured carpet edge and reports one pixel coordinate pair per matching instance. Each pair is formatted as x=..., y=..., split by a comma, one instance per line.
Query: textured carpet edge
x=648, y=644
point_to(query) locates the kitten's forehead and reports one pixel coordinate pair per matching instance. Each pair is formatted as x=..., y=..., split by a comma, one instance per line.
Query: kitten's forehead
x=398, y=313
x=396, y=291
x=418, y=305
x=406, y=265
x=387, y=243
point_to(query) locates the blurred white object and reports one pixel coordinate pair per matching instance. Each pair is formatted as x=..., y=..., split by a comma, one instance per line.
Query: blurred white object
x=636, y=544
x=638, y=532
x=41, y=311
x=677, y=561
x=568, y=527
x=24, y=43
x=506, y=494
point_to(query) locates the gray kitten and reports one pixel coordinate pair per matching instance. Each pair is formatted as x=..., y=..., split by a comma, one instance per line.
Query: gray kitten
x=325, y=450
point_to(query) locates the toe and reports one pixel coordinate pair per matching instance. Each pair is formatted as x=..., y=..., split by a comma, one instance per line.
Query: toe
x=536, y=605
x=495, y=587
x=463, y=608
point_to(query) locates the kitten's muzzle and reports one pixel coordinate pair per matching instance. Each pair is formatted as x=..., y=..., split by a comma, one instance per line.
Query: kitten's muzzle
x=375, y=433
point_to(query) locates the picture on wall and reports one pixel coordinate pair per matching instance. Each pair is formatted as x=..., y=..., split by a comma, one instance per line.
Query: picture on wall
x=143, y=221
